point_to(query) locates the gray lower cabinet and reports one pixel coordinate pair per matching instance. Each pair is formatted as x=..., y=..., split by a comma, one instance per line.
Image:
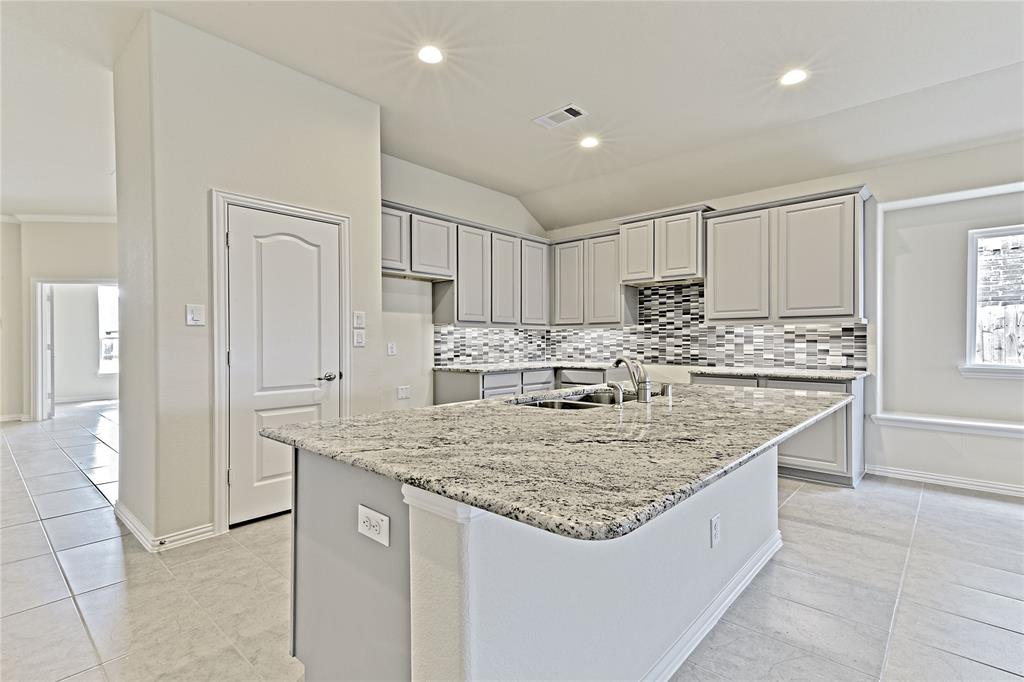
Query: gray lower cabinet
x=474, y=282
x=738, y=266
x=569, y=283
x=536, y=287
x=432, y=247
x=832, y=450
x=506, y=273
x=453, y=387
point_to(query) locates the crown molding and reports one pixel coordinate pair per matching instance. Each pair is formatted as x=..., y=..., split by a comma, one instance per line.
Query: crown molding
x=57, y=218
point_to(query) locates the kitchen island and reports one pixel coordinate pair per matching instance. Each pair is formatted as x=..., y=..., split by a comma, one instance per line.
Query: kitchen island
x=526, y=542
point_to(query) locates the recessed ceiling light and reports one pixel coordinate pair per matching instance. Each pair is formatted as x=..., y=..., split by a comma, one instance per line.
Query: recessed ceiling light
x=793, y=77
x=430, y=54
x=589, y=142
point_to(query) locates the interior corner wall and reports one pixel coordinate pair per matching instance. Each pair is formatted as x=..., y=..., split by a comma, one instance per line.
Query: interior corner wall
x=11, y=405
x=408, y=323
x=222, y=117
x=407, y=183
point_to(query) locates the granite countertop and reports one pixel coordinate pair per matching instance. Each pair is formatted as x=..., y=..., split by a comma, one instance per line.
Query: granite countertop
x=780, y=373
x=592, y=474
x=489, y=367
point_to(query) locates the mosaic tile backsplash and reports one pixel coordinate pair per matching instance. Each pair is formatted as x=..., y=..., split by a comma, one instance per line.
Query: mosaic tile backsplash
x=672, y=331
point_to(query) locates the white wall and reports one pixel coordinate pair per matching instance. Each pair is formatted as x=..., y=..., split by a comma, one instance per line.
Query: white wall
x=11, y=405
x=193, y=113
x=406, y=183
x=76, y=346
x=407, y=321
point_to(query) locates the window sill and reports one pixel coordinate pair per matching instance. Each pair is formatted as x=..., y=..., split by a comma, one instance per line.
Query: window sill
x=992, y=371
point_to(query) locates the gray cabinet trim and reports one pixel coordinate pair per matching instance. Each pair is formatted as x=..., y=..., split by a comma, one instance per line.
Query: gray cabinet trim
x=861, y=190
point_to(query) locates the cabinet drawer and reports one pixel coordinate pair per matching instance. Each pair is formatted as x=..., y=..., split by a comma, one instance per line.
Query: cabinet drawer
x=530, y=388
x=499, y=392
x=538, y=376
x=831, y=387
x=503, y=380
x=581, y=376
x=723, y=381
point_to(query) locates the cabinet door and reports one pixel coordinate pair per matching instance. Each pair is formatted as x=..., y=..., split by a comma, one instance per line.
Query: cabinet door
x=822, y=446
x=636, y=242
x=816, y=258
x=474, y=281
x=433, y=247
x=569, y=283
x=602, y=297
x=505, y=278
x=535, y=283
x=738, y=266
x=678, y=247
x=394, y=239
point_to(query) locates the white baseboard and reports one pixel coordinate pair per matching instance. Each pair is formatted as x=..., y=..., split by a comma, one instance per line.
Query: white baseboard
x=155, y=543
x=83, y=399
x=951, y=481
x=677, y=654
x=13, y=417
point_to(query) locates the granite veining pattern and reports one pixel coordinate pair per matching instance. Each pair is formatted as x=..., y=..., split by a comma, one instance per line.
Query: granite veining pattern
x=592, y=474
x=780, y=373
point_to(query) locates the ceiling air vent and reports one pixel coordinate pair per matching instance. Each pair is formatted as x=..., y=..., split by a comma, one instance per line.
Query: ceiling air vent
x=569, y=112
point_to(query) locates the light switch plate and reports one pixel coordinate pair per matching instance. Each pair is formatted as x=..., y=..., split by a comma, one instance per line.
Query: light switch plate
x=374, y=525
x=716, y=529
x=195, y=315
x=404, y=392
x=358, y=338
x=392, y=349
x=358, y=319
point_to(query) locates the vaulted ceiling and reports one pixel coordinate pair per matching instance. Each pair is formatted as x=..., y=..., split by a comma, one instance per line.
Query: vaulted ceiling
x=683, y=95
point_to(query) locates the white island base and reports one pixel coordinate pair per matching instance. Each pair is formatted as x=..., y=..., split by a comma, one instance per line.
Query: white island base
x=463, y=593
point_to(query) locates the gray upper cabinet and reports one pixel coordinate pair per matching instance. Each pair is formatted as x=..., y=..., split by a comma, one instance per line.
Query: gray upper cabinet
x=569, y=283
x=678, y=247
x=535, y=283
x=602, y=296
x=816, y=258
x=433, y=247
x=474, y=281
x=394, y=239
x=506, y=271
x=636, y=245
x=738, y=262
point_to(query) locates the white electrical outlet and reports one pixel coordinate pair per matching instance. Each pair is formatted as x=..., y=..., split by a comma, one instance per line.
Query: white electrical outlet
x=358, y=338
x=374, y=525
x=716, y=529
x=358, y=319
x=392, y=349
x=404, y=392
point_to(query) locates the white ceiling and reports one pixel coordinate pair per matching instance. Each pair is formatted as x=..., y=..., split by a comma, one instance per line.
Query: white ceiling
x=678, y=92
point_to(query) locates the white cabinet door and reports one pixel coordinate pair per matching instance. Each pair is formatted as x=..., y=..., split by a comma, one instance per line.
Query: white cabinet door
x=678, y=246
x=506, y=271
x=822, y=446
x=284, y=320
x=738, y=266
x=394, y=239
x=535, y=282
x=602, y=296
x=816, y=252
x=569, y=283
x=636, y=243
x=474, y=280
x=433, y=247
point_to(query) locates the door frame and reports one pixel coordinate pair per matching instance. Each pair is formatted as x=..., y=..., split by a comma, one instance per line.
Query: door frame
x=37, y=315
x=220, y=201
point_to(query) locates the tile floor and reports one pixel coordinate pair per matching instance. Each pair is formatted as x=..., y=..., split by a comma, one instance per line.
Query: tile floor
x=892, y=581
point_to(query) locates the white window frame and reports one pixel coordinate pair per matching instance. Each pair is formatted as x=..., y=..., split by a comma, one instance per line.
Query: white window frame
x=970, y=368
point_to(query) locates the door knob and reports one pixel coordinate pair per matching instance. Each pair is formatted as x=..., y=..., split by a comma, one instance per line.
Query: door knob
x=328, y=376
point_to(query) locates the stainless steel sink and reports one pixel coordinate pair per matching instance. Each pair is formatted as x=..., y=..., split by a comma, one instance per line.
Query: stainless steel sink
x=562, y=404
x=603, y=398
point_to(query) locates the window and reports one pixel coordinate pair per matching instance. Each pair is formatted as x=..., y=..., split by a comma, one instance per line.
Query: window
x=995, y=302
x=107, y=298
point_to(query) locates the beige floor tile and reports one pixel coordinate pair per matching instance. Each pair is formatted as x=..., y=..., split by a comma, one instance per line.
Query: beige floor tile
x=45, y=462
x=91, y=675
x=27, y=446
x=979, y=527
x=100, y=475
x=103, y=563
x=29, y=583
x=827, y=551
x=689, y=672
x=966, y=573
x=196, y=550
x=83, y=528
x=1008, y=558
x=852, y=644
x=737, y=653
x=837, y=596
x=270, y=540
x=40, y=485
x=15, y=509
x=69, y=502
x=262, y=633
x=787, y=486
x=109, y=491
x=24, y=541
x=968, y=638
x=847, y=511
x=230, y=582
x=943, y=589
x=93, y=456
x=911, y=661
x=200, y=654
x=942, y=497
x=45, y=643
x=66, y=441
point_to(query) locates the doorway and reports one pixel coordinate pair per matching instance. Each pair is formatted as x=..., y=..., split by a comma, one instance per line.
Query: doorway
x=280, y=315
